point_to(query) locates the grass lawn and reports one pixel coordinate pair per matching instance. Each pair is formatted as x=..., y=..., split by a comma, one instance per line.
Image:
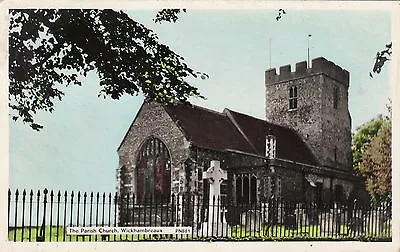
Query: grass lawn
x=276, y=232
x=51, y=235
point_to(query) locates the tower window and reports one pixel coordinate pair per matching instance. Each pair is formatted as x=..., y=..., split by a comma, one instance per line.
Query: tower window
x=335, y=154
x=293, y=98
x=335, y=97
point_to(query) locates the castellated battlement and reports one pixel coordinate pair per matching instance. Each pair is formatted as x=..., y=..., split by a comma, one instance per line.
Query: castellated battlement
x=319, y=65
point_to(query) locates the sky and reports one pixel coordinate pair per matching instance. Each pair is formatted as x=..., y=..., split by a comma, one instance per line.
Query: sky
x=77, y=148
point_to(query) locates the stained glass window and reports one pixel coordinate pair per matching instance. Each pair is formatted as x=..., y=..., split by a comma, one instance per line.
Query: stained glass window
x=153, y=173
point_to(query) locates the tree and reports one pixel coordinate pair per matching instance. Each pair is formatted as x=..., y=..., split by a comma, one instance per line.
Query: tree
x=362, y=139
x=376, y=166
x=48, y=49
x=381, y=58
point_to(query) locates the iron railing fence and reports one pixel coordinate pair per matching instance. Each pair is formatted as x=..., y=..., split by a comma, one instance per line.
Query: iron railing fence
x=44, y=216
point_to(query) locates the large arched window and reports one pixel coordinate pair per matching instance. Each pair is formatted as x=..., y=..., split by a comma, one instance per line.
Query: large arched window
x=153, y=173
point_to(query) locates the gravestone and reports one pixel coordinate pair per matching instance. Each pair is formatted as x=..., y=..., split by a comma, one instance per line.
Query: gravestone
x=215, y=225
x=252, y=221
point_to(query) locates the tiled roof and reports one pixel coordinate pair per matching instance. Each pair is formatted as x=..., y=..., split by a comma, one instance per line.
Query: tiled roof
x=289, y=145
x=207, y=128
x=235, y=131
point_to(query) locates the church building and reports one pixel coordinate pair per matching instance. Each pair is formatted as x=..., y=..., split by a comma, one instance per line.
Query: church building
x=300, y=152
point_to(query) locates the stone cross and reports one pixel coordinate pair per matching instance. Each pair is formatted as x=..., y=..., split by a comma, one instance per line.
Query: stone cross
x=216, y=224
x=215, y=176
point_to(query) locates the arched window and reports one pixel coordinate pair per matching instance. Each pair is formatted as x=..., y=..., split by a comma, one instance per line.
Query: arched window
x=153, y=173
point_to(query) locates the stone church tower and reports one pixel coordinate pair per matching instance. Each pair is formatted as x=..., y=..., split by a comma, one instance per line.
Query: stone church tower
x=314, y=102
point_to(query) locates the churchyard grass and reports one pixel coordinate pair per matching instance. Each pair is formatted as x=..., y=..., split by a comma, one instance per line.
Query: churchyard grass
x=280, y=231
x=83, y=238
x=276, y=232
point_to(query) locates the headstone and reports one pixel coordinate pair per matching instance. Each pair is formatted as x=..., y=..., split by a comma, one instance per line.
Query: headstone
x=252, y=221
x=216, y=225
x=290, y=221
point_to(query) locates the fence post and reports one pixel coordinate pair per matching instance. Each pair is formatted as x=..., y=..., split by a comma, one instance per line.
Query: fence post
x=102, y=215
x=58, y=211
x=115, y=211
x=193, y=219
x=51, y=211
x=42, y=236
x=9, y=204
x=77, y=215
x=84, y=208
x=70, y=216
x=109, y=212
x=151, y=208
x=23, y=214
x=91, y=213
x=15, y=215
x=97, y=212
x=127, y=214
x=30, y=214
x=103, y=237
x=65, y=213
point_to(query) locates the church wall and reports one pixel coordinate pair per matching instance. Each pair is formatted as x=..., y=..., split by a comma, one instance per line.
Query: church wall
x=200, y=161
x=336, y=125
x=296, y=187
x=292, y=187
x=240, y=163
x=153, y=120
x=233, y=162
x=346, y=185
x=241, y=159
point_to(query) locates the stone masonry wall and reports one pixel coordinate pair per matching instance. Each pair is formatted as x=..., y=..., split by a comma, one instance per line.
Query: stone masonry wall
x=306, y=119
x=153, y=120
x=324, y=128
x=296, y=187
x=336, y=125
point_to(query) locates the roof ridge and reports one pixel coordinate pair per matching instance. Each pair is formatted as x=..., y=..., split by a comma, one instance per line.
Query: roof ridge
x=198, y=107
x=241, y=131
x=265, y=121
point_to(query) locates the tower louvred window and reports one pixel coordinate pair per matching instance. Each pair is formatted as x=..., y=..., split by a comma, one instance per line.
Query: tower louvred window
x=293, y=97
x=153, y=171
x=335, y=97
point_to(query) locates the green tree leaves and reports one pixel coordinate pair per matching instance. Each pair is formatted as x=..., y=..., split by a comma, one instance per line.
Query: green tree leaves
x=361, y=141
x=50, y=48
x=376, y=166
x=371, y=149
x=381, y=58
x=167, y=15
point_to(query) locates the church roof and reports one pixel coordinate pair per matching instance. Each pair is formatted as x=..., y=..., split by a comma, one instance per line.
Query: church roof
x=207, y=128
x=231, y=130
x=289, y=144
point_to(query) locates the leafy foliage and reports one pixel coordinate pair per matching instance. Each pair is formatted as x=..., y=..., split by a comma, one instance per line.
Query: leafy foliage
x=281, y=12
x=168, y=15
x=381, y=58
x=361, y=141
x=50, y=48
x=376, y=165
